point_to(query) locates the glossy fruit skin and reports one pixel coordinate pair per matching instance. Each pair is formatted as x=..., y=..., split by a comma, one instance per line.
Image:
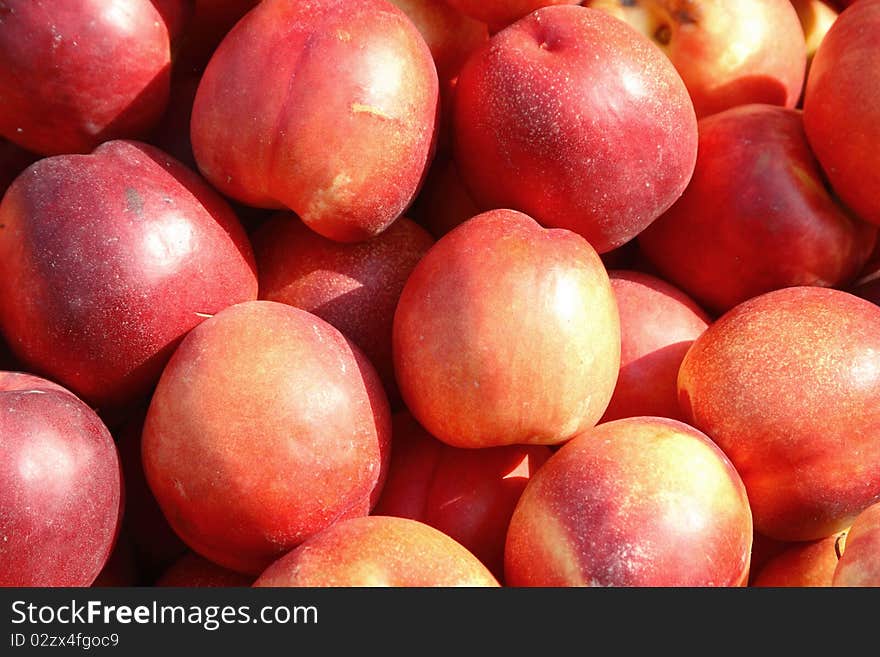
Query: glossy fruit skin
x=533, y=130
x=378, y=551
x=507, y=333
x=658, y=324
x=635, y=502
x=842, y=107
x=727, y=53
x=756, y=216
x=81, y=72
x=788, y=385
x=354, y=287
x=327, y=108
x=60, y=486
x=275, y=404
x=107, y=260
x=468, y=494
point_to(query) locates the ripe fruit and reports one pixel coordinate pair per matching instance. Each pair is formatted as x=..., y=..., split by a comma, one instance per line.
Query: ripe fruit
x=327, y=108
x=860, y=563
x=507, y=333
x=757, y=215
x=805, y=563
x=727, y=53
x=354, y=287
x=635, y=502
x=77, y=73
x=378, y=551
x=468, y=494
x=788, y=385
x=842, y=107
x=107, y=260
x=60, y=486
x=191, y=570
x=658, y=323
x=273, y=404
x=573, y=118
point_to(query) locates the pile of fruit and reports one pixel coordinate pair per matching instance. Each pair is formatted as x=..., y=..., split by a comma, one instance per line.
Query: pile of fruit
x=439, y=293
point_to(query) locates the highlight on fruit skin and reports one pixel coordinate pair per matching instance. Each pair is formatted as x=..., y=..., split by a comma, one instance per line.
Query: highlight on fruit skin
x=643, y=501
x=381, y=551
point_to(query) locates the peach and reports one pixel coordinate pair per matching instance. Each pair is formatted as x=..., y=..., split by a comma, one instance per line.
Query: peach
x=573, y=118
x=107, y=260
x=727, y=53
x=635, y=502
x=81, y=72
x=507, y=333
x=266, y=427
x=327, y=108
x=658, y=324
x=468, y=494
x=859, y=564
x=842, y=107
x=354, y=287
x=803, y=564
x=757, y=215
x=378, y=551
x=788, y=385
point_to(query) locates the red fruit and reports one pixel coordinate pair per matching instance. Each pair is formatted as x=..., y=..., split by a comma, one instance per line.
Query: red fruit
x=107, y=260
x=81, y=72
x=860, y=563
x=636, y=502
x=507, y=333
x=788, y=385
x=658, y=324
x=575, y=119
x=757, y=215
x=191, y=570
x=60, y=486
x=468, y=494
x=727, y=53
x=354, y=287
x=378, y=551
x=803, y=564
x=327, y=108
x=842, y=107
x=272, y=403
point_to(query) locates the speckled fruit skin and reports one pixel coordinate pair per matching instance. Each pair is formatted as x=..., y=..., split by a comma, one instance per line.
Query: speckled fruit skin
x=452, y=37
x=468, y=494
x=635, y=502
x=788, y=385
x=860, y=563
x=378, y=551
x=803, y=564
x=327, y=108
x=507, y=333
x=266, y=427
x=756, y=216
x=727, y=53
x=107, y=260
x=76, y=73
x=60, y=486
x=658, y=324
x=191, y=570
x=575, y=119
x=842, y=107
x=501, y=13
x=354, y=287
